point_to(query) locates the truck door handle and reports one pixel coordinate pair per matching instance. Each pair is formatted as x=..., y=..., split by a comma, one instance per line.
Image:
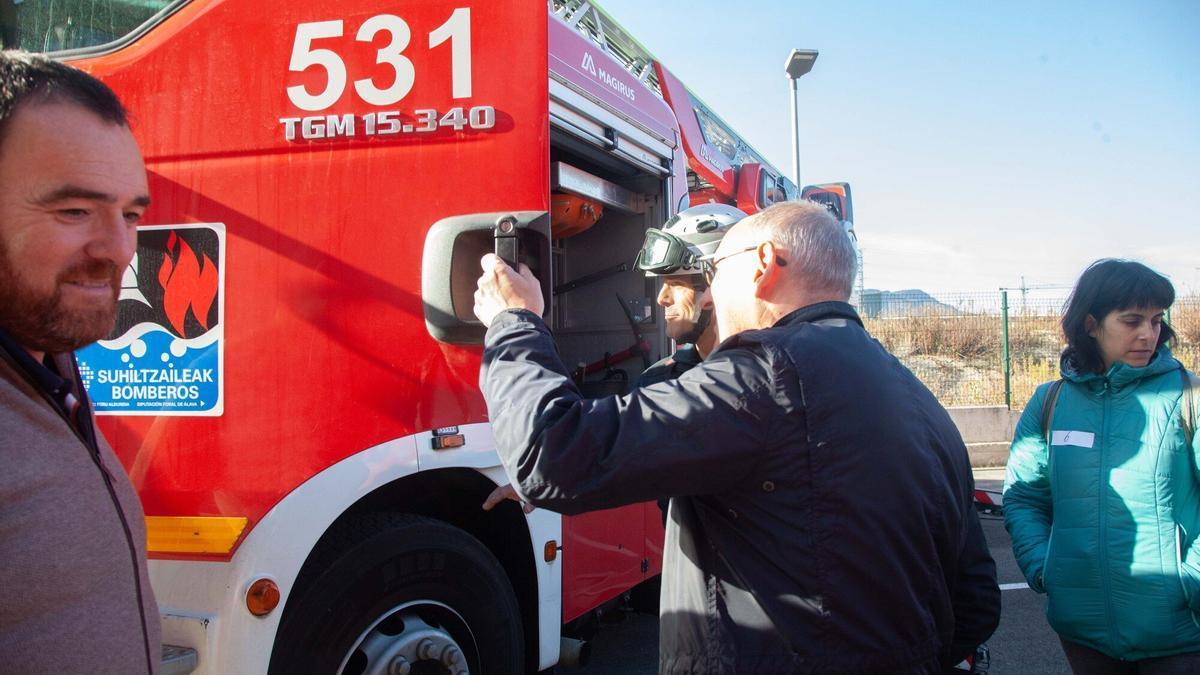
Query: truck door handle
x=508, y=247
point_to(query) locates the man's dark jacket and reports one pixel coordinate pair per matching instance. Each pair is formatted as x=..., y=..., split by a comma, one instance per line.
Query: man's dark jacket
x=822, y=516
x=684, y=359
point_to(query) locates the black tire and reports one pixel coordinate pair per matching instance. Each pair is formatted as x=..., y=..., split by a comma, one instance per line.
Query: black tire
x=385, y=578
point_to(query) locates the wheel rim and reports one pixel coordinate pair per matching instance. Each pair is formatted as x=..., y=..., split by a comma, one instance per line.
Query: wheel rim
x=421, y=637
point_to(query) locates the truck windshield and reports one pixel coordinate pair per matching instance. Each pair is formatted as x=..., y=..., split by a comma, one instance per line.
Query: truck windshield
x=61, y=25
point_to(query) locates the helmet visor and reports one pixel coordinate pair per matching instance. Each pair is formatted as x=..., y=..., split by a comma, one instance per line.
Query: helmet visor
x=663, y=253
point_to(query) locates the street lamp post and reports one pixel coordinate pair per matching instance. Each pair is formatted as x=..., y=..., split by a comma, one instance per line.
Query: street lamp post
x=799, y=62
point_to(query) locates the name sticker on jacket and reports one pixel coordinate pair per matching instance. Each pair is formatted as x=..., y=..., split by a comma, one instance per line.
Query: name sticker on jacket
x=1081, y=439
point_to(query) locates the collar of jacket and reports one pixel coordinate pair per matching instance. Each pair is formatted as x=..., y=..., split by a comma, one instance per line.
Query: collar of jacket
x=1121, y=374
x=687, y=354
x=39, y=374
x=822, y=310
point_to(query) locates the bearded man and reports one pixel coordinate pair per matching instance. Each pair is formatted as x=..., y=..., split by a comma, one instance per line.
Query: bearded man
x=75, y=594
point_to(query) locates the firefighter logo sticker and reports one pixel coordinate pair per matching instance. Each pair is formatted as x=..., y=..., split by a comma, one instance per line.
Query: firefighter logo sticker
x=165, y=355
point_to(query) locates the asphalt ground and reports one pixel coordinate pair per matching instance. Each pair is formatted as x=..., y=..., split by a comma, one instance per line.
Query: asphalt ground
x=627, y=643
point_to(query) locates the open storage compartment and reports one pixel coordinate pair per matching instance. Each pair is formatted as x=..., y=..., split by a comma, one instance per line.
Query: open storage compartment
x=603, y=310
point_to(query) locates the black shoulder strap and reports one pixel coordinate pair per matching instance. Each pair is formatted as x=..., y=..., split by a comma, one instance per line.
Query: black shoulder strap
x=1048, y=404
x=1188, y=404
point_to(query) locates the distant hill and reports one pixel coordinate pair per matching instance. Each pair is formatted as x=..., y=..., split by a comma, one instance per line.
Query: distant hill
x=879, y=304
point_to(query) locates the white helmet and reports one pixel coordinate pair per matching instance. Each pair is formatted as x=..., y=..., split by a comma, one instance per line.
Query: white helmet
x=685, y=238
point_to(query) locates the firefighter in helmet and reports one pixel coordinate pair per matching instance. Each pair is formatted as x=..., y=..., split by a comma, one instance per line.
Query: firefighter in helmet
x=677, y=252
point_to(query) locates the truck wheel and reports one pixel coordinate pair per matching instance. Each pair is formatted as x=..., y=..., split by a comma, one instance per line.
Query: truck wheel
x=391, y=594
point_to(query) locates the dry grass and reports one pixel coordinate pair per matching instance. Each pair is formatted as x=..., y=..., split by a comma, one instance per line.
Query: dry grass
x=957, y=356
x=1027, y=374
x=1037, y=335
x=960, y=357
x=967, y=336
x=1185, y=319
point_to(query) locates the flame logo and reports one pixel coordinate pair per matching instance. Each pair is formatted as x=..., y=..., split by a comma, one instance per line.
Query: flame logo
x=188, y=282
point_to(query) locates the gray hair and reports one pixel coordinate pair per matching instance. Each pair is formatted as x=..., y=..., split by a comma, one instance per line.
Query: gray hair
x=825, y=258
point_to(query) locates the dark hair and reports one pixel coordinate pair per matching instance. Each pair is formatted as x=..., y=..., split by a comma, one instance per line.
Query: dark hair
x=1110, y=285
x=26, y=77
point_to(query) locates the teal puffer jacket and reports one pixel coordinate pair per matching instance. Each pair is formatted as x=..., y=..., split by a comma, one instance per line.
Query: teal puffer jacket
x=1105, y=520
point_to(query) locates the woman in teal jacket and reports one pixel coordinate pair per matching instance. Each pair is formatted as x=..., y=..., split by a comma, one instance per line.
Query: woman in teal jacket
x=1104, y=505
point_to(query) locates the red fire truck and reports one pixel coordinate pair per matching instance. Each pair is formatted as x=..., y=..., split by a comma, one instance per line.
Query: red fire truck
x=292, y=383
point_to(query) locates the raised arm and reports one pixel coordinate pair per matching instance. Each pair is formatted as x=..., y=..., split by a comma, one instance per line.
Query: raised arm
x=702, y=433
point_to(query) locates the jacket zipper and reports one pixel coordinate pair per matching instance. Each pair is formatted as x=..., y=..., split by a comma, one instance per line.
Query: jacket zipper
x=93, y=449
x=1104, y=488
x=137, y=574
x=1050, y=473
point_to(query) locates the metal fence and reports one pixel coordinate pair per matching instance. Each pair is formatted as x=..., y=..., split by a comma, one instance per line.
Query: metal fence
x=991, y=348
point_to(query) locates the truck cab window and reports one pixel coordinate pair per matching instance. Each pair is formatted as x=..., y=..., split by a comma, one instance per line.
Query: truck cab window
x=68, y=25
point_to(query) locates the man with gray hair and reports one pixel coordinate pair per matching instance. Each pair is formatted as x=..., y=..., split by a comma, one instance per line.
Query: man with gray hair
x=75, y=595
x=822, y=515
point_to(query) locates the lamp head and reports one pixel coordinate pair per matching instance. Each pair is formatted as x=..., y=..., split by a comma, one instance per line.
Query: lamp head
x=799, y=62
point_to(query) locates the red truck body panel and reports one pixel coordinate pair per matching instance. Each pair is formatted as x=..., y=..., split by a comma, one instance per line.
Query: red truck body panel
x=326, y=349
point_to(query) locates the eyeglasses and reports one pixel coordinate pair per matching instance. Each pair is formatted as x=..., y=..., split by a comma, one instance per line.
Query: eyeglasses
x=710, y=265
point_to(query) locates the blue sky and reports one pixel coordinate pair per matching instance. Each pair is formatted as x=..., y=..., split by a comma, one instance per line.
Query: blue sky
x=985, y=142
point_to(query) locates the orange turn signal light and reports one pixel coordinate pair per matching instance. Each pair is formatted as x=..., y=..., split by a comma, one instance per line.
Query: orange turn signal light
x=550, y=551
x=262, y=597
x=192, y=534
x=446, y=442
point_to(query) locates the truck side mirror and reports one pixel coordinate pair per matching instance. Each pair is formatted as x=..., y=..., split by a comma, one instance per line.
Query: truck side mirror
x=833, y=196
x=450, y=266
x=758, y=188
x=749, y=188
